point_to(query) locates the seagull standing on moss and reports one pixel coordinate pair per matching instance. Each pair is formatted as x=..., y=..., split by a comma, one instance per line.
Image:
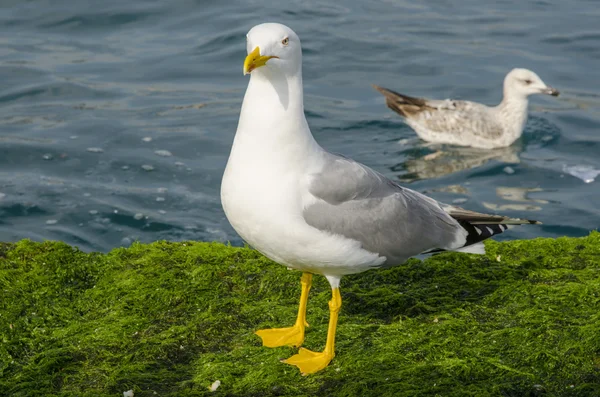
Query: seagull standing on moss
x=317, y=212
x=466, y=123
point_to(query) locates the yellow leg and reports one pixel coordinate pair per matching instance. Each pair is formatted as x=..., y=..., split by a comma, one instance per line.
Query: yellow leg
x=290, y=336
x=310, y=362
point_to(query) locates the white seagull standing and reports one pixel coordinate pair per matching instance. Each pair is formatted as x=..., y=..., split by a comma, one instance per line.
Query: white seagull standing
x=318, y=212
x=467, y=123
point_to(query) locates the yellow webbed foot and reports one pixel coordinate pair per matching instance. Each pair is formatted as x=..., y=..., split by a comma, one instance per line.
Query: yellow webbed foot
x=291, y=336
x=310, y=362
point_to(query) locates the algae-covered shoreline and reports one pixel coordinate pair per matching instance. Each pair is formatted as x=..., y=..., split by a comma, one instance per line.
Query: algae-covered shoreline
x=169, y=319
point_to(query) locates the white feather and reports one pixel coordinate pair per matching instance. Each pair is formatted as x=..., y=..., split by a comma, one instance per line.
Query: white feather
x=478, y=249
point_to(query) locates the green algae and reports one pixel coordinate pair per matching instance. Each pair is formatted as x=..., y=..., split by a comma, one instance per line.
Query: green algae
x=168, y=319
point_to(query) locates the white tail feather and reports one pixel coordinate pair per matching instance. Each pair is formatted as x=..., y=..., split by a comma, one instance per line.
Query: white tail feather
x=478, y=248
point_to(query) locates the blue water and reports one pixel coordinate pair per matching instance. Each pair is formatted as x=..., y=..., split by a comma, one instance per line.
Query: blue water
x=116, y=118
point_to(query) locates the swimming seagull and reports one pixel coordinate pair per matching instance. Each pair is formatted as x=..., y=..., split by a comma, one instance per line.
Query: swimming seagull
x=467, y=123
x=317, y=212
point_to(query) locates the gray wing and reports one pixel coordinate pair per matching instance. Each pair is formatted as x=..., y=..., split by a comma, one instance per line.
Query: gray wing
x=456, y=117
x=395, y=222
x=445, y=116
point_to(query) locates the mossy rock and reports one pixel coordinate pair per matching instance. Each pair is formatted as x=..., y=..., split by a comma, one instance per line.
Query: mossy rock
x=169, y=319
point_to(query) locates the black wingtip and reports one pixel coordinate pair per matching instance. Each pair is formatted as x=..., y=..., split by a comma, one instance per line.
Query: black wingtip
x=530, y=222
x=520, y=221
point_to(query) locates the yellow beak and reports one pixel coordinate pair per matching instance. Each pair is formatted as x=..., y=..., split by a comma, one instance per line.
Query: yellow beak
x=254, y=60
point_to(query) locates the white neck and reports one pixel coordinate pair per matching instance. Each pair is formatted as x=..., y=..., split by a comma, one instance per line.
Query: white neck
x=271, y=96
x=272, y=129
x=513, y=109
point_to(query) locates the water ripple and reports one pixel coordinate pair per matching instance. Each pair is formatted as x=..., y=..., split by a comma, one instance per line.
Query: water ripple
x=117, y=119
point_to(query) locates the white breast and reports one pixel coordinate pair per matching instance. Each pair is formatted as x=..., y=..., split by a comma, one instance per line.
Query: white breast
x=266, y=212
x=265, y=186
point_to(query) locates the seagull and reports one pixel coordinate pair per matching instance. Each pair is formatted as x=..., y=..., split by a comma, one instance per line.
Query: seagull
x=318, y=212
x=466, y=123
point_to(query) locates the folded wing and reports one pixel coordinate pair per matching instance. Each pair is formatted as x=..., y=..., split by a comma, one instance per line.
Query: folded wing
x=354, y=201
x=448, y=116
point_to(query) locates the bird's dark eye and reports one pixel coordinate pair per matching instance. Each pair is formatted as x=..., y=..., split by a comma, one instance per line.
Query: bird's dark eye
x=527, y=81
x=285, y=41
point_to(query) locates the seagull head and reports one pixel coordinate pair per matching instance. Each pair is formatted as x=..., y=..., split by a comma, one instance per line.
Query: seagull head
x=273, y=46
x=524, y=82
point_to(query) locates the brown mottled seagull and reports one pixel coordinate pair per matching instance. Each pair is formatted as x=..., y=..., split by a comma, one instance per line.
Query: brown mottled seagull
x=317, y=212
x=466, y=123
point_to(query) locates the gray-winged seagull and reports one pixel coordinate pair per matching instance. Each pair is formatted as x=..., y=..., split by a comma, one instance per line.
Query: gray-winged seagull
x=467, y=123
x=318, y=212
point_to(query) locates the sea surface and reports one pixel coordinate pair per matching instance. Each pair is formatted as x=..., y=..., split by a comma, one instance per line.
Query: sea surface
x=117, y=117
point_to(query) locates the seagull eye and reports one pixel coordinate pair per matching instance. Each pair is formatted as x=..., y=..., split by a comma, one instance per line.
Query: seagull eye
x=285, y=41
x=527, y=81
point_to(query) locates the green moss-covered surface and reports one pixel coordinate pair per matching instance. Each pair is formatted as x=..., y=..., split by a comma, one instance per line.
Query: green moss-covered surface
x=169, y=319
